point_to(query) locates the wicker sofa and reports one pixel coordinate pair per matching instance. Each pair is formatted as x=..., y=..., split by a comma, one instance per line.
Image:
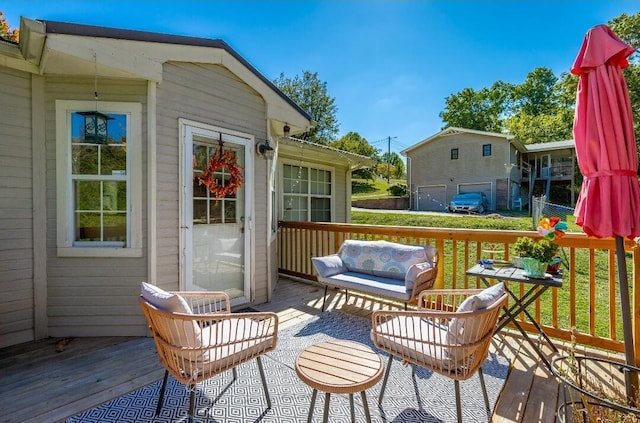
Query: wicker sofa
x=381, y=268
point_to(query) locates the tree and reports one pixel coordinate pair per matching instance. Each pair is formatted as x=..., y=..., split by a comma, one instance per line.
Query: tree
x=6, y=33
x=472, y=109
x=392, y=165
x=312, y=96
x=355, y=143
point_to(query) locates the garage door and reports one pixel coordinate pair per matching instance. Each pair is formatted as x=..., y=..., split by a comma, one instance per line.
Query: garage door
x=432, y=198
x=485, y=187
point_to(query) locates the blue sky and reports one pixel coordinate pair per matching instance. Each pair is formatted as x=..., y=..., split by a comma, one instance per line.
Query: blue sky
x=389, y=64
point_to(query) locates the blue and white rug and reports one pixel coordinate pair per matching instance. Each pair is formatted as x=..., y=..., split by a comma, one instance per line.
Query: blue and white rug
x=428, y=397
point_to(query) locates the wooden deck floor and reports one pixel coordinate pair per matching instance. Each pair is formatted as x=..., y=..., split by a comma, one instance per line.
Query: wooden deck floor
x=40, y=384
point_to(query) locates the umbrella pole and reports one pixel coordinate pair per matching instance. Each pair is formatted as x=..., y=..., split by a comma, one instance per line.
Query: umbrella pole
x=631, y=379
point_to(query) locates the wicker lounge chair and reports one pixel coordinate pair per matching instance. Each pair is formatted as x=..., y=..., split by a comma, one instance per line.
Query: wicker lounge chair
x=198, y=337
x=450, y=333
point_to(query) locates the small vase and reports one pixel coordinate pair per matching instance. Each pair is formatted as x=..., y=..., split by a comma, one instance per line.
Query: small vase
x=534, y=268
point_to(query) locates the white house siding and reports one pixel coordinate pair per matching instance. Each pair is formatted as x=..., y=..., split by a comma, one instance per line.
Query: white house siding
x=209, y=94
x=431, y=163
x=92, y=296
x=16, y=207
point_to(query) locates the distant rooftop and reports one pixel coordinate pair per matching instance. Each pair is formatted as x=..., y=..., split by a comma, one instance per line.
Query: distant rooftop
x=548, y=146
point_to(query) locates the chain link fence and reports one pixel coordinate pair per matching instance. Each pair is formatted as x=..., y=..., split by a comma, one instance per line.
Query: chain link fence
x=540, y=208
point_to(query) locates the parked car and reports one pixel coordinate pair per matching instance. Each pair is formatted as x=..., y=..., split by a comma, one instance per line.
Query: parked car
x=470, y=202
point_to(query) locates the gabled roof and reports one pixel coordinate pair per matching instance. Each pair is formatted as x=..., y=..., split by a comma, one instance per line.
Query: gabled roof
x=355, y=161
x=63, y=48
x=454, y=130
x=549, y=146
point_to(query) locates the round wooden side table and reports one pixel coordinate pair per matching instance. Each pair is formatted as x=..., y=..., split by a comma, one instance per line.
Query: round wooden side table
x=339, y=367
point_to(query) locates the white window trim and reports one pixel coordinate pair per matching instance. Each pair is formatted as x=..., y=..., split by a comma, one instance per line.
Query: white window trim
x=308, y=195
x=64, y=200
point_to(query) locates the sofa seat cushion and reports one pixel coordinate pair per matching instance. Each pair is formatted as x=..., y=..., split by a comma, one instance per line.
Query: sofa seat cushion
x=381, y=258
x=374, y=285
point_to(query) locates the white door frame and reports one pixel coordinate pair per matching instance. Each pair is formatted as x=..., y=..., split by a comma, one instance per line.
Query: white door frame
x=188, y=129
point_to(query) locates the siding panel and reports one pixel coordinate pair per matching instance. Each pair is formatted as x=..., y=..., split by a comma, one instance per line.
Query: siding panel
x=16, y=205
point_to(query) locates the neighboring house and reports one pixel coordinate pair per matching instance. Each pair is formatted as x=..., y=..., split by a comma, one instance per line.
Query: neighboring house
x=91, y=204
x=463, y=160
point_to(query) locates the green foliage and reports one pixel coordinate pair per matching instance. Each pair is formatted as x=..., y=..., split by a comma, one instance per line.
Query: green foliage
x=397, y=165
x=544, y=250
x=6, y=33
x=355, y=143
x=398, y=190
x=312, y=96
x=523, y=247
x=481, y=110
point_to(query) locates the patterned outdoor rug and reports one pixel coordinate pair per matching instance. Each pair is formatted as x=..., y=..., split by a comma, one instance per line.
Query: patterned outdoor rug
x=428, y=397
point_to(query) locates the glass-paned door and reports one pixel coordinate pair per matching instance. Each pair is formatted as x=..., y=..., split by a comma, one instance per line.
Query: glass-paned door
x=217, y=238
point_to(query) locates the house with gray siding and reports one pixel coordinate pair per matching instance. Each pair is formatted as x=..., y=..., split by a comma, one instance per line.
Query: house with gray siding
x=510, y=173
x=130, y=156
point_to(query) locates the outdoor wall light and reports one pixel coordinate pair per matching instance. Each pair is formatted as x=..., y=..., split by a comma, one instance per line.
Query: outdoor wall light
x=95, y=127
x=286, y=130
x=95, y=123
x=265, y=150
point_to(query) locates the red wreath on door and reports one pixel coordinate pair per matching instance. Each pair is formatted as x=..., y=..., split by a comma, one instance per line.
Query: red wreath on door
x=222, y=161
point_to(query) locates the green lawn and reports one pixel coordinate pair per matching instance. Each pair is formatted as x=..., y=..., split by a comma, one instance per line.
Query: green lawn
x=365, y=189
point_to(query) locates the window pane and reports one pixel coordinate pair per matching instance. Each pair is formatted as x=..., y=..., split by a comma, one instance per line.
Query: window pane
x=113, y=160
x=199, y=190
x=115, y=227
x=320, y=210
x=88, y=227
x=114, y=196
x=230, y=211
x=200, y=211
x=215, y=211
x=295, y=208
x=87, y=195
x=84, y=159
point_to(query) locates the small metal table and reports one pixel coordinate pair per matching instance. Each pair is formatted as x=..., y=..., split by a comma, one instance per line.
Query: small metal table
x=538, y=287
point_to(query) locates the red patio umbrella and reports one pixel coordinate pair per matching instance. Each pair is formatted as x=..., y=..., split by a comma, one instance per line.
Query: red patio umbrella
x=609, y=202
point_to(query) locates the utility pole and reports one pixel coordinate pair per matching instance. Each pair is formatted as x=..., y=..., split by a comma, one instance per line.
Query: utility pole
x=389, y=158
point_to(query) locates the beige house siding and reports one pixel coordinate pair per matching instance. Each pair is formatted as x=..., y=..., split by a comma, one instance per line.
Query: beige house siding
x=431, y=166
x=212, y=95
x=16, y=208
x=91, y=296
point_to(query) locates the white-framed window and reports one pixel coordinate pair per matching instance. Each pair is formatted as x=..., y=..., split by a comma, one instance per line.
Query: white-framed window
x=306, y=193
x=99, y=181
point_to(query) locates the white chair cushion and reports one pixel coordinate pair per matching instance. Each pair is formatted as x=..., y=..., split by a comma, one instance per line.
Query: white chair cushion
x=163, y=300
x=186, y=333
x=458, y=334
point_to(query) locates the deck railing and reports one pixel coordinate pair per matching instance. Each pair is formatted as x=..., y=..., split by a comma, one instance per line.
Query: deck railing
x=586, y=308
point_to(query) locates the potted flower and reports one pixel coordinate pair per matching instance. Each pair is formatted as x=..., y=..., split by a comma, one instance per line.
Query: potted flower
x=523, y=247
x=538, y=257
